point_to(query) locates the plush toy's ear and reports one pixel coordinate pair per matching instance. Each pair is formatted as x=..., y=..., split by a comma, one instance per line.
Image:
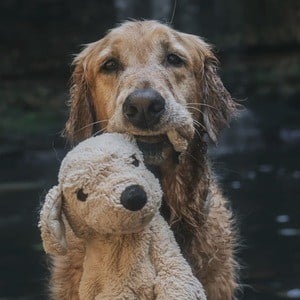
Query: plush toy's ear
x=51, y=224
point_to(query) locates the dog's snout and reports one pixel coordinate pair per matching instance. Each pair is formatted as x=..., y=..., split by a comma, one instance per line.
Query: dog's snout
x=144, y=107
x=133, y=198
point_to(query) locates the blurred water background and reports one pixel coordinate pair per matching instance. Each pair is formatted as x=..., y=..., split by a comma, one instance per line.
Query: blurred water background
x=257, y=160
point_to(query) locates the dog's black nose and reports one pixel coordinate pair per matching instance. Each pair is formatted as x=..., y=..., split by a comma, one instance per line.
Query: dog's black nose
x=143, y=108
x=133, y=198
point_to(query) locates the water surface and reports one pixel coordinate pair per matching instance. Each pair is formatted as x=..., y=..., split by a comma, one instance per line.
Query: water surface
x=259, y=174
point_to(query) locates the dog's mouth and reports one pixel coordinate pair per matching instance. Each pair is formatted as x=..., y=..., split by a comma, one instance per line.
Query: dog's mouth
x=151, y=139
x=153, y=148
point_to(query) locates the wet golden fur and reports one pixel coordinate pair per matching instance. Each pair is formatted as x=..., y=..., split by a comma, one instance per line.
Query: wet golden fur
x=194, y=206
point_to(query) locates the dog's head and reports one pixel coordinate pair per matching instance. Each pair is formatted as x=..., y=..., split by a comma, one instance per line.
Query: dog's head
x=147, y=79
x=104, y=188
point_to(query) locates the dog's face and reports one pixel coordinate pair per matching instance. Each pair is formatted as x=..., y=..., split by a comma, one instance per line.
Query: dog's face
x=107, y=188
x=147, y=79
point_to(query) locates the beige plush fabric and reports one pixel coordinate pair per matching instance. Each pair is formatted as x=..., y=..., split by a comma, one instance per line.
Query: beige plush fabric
x=127, y=254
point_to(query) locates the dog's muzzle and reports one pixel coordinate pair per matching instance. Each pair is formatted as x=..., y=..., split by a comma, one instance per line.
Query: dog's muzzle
x=143, y=108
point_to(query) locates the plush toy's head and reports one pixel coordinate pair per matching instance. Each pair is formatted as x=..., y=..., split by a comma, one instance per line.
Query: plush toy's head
x=106, y=188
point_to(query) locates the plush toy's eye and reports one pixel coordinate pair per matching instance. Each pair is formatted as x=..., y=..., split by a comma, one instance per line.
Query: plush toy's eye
x=135, y=161
x=81, y=196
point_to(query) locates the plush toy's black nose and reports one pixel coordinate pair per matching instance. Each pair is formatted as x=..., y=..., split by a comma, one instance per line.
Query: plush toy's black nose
x=143, y=108
x=134, y=197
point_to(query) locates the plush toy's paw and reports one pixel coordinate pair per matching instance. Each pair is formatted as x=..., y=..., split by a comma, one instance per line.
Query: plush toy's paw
x=51, y=224
x=179, y=143
x=180, y=137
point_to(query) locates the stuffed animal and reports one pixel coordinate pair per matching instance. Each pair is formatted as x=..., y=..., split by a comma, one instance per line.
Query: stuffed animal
x=109, y=200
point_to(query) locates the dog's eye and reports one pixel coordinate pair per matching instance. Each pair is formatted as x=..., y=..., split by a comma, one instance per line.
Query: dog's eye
x=81, y=196
x=111, y=65
x=174, y=60
x=135, y=161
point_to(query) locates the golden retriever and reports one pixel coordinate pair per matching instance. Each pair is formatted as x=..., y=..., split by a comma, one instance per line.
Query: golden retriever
x=147, y=79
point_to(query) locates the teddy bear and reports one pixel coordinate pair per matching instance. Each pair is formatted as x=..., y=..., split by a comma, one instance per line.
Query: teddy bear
x=108, y=199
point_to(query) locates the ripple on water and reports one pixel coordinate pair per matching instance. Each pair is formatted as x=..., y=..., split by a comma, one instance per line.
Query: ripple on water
x=282, y=218
x=266, y=168
x=296, y=174
x=251, y=175
x=10, y=220
x=236, y=185
x=293, y=294
x=289, y=232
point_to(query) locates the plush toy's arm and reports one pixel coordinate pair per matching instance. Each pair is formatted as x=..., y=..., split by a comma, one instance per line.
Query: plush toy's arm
x=174, y=276
x=51, y=224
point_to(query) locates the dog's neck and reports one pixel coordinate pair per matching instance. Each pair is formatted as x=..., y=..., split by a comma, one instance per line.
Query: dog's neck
x=186, y=181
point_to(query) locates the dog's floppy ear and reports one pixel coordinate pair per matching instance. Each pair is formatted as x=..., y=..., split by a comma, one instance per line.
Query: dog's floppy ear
x=82, y=112
x=218, y=106
x=51, y=223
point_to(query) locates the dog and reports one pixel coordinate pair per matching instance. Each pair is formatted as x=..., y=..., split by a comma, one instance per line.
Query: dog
x=146, y=79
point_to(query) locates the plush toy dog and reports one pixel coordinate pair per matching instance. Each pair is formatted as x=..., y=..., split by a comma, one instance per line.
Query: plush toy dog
x=109, y=200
